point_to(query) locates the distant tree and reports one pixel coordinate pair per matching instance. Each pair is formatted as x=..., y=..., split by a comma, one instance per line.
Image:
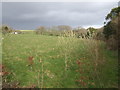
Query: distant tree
x=54, y=28
x=99, y=34
x=41, y=30
x=64, y=27
x=6, y=29
x=80, y=32
x=91, y=30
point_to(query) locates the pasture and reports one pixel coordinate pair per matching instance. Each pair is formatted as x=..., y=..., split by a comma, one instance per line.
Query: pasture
x=42, y=61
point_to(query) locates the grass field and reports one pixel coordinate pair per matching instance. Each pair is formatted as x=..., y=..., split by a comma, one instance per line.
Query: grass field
x=26, y=30
x=57, y=62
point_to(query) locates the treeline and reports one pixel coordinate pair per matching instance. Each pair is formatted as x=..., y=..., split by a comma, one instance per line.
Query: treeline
x=61, y=30
x=67, y=31
x=111, y=29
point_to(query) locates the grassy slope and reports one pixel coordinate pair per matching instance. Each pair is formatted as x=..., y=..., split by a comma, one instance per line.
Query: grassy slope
x=55, y=62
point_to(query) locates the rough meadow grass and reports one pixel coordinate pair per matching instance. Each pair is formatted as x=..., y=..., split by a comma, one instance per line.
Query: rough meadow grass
x=58, y=62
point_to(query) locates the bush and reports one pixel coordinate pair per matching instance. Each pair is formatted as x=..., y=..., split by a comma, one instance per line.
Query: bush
x=111, y=29
x=6, y=29
x=99, y=34
x=40, y=30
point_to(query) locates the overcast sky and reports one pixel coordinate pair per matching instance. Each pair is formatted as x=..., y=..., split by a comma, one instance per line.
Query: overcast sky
x=30, y=15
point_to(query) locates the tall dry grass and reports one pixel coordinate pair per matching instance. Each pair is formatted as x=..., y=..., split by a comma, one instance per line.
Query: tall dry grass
x=89, y=49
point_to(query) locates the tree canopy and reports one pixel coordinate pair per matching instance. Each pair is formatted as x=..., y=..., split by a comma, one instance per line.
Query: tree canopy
x=114, y=13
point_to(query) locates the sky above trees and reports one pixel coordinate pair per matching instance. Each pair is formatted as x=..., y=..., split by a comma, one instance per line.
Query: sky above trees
x=30, y=15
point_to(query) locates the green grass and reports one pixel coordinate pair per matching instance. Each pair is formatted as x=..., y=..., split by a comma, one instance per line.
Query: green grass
x=55, y=62
x=26, y=30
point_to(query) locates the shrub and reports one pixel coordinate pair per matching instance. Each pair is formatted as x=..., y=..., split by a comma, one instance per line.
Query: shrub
x=111, y=29
x=6, y=29
x=40, y=30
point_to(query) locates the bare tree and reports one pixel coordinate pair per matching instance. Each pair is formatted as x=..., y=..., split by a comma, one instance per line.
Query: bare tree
x=64, y=27
x=40, y=30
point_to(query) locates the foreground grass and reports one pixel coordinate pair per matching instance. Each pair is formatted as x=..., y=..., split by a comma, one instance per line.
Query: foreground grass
x=58, y=62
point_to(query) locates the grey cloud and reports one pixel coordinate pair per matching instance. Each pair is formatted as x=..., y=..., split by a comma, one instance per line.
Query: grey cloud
x=0, y=13
x=29, y=15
